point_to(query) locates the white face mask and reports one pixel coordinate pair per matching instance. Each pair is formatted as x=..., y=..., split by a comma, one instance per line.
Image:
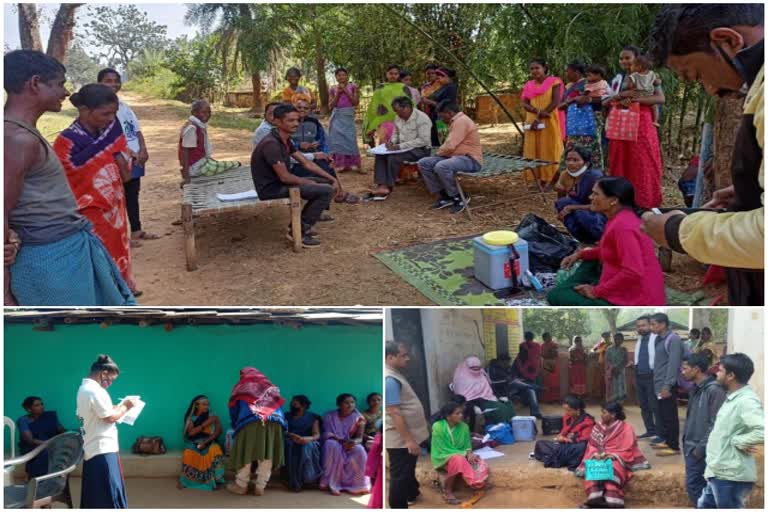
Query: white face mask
x=576, y=174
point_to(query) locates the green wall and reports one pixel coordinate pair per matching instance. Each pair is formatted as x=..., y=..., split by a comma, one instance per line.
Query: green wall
x=168, y=368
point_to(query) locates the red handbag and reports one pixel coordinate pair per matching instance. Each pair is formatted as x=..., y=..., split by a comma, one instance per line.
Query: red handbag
x=623, y=123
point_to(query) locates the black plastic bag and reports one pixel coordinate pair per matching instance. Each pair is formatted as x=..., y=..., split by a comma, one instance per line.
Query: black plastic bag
x=546, y=245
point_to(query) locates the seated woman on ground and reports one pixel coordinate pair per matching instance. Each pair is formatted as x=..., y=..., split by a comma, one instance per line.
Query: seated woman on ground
x=452, y=454
x=202, y=463
x=302, y=444
x=37, y=427
x=612, y=438
x=623, y=269
x=344, y=457
x=567, y=448
x=471, y=381
x=372, y=417
x=574, y=208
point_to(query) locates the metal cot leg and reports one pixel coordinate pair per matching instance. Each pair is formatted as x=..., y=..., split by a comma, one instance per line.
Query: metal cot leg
x=190, y=248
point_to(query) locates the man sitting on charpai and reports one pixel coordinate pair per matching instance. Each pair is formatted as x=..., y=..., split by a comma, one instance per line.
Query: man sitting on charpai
x=460, y=152
x=195, y=149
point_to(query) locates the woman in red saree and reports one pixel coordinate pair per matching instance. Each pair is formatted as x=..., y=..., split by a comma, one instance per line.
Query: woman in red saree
x=91, y=151
x=577, y=368
x=638, y=161
x=551, y=369
x=615, y=439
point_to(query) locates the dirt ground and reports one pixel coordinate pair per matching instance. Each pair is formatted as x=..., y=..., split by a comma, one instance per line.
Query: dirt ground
x=162, y=493
x=244, y=259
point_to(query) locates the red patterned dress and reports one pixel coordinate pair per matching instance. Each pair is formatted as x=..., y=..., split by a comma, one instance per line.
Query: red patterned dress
x=94, y=177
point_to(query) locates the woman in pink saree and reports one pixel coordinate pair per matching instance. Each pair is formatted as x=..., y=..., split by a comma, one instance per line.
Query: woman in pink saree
x=344, y=457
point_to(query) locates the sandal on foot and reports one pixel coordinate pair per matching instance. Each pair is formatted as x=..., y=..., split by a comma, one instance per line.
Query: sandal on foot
x=325, y=217
x=146, y=236
x=451, y=501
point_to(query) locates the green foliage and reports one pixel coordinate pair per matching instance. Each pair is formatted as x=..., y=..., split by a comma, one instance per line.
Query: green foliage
x=81, y=67
x=718, y=322
x=160, y=84
x=563, y=324
x=197, y=67
x=149, y=63
x=122, y=33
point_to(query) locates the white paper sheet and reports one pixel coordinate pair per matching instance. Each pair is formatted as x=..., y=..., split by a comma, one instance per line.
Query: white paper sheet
x=130, y=417
x=238, y=196
x=381, y=149
x=488, y=453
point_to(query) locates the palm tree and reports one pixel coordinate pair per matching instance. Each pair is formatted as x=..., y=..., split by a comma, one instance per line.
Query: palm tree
x=248, y=35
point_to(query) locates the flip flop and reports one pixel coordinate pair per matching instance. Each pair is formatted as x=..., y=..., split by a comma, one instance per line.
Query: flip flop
x=452, y=501
x=377, y=197
x=148, y=236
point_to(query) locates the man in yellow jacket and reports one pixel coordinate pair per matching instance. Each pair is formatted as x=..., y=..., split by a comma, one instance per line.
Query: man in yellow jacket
x=721, y=46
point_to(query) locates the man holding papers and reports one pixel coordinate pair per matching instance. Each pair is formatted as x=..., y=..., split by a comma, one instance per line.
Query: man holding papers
x=410, y=142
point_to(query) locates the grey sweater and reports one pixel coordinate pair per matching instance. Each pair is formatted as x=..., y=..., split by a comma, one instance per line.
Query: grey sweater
x=703, y=404
x=666, y=363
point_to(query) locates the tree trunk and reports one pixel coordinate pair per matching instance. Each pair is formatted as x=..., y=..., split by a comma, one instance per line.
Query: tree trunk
x=29, y=27
x=258, y=105
x=611, y=314
x=701, y=318
x=728, y=112
x=683, y=112
x=322, y=83
x=62, y=31
x=699, y=113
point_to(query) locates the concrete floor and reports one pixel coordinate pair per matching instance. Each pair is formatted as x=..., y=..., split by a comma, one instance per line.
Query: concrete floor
x=520, y=482
x=162, y=493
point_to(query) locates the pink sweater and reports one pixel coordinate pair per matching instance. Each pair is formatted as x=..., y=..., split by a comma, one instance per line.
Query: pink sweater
x=631, y=273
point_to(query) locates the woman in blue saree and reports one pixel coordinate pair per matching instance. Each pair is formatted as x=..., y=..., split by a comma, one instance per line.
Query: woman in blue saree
x=573, y=210
x=37, y=427
x=302, y=444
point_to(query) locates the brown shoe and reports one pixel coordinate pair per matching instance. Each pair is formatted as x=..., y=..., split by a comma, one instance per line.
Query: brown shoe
x=236, y=489
x=258, y=492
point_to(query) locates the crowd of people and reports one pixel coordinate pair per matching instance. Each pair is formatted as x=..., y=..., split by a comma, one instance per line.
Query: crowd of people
x=340, y=451
x=91, y=176
x=723, y=428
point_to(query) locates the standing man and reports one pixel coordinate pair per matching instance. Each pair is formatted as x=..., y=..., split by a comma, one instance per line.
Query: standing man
x=722, y=46
x=668, y=357
x=60, y=261
x=138, y=156
x=645, y=353
x=738, y=431
x=406, y=428
x=461, y=151
x=528, y=368
x=705, y=399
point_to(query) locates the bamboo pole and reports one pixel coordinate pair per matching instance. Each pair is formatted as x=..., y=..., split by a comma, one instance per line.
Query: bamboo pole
x=460, y=63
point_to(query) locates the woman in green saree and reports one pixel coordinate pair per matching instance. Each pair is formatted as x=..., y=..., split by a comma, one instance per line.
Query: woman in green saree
x=451, y=453
x=380, y=117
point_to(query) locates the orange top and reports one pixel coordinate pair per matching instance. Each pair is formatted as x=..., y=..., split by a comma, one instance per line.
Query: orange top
x=463, y=139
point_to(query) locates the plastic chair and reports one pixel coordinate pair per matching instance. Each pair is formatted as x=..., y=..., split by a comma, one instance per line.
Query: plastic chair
x=8, y=472
x=65, y=451
x=8, y=422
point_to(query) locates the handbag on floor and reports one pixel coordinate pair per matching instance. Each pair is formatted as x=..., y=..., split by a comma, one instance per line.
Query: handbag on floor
x=146, y=445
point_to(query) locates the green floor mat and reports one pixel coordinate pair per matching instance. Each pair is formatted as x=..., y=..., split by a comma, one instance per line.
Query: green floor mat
x=444, y=272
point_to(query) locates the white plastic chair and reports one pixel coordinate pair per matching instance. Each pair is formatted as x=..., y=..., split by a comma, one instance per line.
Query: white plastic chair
x=8, y=471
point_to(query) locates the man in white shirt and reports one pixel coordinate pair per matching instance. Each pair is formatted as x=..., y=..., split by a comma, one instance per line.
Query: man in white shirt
x=102, y=485
x=138, y=152
x=645, y=352
x=412, y=136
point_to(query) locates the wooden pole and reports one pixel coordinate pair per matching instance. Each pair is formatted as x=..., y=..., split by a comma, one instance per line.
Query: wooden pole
x=460, y=63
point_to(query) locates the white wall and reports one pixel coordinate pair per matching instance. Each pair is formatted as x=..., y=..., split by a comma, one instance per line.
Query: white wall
x=746, y=335
x=450, y=335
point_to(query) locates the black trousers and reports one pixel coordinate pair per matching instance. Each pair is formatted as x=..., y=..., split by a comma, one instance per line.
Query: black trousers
x=669, y=420
x=318, y=196
x=403, y=486
x=648, y=402
x=132, y=189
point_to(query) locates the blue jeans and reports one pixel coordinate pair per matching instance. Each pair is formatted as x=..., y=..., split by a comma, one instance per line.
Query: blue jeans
x=439, y=172
x=694, y=477
x=527, y=394
x=724, y=494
